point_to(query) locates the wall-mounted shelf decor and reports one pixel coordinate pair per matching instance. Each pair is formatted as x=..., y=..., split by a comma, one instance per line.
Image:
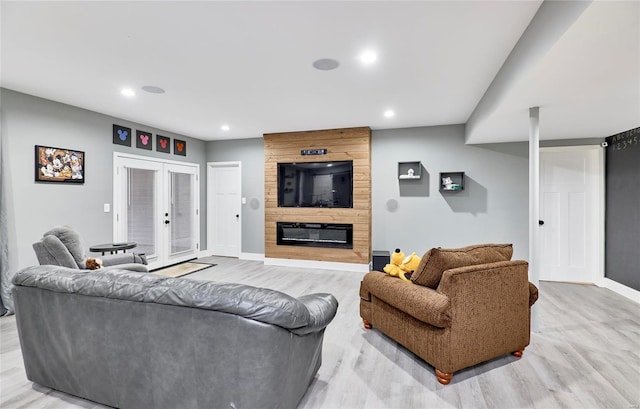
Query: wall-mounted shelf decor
x=451, y=181
x=409, y=170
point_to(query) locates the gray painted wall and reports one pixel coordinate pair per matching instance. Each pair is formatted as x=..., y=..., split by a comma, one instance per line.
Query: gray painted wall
x=250, y=152
x=411, y=215
x=33, y=207
x=492, y=208
x=416, y=216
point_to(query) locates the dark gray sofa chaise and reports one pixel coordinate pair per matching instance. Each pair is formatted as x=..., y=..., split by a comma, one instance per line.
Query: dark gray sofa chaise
x=135, y=340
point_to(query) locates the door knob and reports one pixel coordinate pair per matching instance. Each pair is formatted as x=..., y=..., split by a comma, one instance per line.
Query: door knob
x=167, y=222
x=237, y=216
x=540, y=222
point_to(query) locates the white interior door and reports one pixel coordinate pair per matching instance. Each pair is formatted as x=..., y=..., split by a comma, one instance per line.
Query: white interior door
x=571, y=210
x=156, y=206
x=224, y=225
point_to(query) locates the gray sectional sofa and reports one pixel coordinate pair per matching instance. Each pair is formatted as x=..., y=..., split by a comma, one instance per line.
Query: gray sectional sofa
x=137, y=340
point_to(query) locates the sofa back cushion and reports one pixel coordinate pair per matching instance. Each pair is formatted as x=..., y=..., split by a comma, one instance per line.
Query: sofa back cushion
x=258, y=304
x=71, y=240
x=437, y=260
x=50, y=250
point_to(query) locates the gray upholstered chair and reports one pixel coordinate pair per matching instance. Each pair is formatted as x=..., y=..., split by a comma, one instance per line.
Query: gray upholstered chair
x=62, y=246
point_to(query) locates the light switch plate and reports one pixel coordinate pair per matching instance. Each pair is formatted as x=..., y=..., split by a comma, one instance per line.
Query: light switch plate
x=107, y=207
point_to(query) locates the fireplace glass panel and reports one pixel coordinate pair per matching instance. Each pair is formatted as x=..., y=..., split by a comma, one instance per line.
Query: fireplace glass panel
x=315, y=234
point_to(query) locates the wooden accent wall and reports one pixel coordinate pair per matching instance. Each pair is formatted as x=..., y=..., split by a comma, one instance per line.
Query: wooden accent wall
x=341, y=144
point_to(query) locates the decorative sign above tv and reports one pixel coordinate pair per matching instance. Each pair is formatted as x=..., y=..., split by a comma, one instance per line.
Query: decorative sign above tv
x=315, y=184
x=313, y=152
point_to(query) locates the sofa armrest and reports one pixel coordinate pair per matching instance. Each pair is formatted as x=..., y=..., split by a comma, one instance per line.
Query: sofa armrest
x=488, y=299
x=420, y=302
x=119, y=259
x=140, y=268
x=322, y=309
x=533, y=294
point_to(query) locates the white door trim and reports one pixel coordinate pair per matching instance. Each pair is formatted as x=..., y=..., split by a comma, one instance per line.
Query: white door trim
x=598, y=223
x=210, y=201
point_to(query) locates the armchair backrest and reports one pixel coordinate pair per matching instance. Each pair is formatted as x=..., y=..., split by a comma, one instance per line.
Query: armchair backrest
x=61, y=246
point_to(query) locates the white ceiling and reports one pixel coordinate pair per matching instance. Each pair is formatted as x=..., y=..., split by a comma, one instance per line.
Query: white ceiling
x=249, y=65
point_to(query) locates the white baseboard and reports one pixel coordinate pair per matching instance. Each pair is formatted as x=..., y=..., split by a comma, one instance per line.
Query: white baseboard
x=327, y=265
x=243, y=256
x=252, y=256
x=621, y=289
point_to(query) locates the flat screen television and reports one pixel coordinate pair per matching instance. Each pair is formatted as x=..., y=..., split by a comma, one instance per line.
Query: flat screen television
x=315, y=184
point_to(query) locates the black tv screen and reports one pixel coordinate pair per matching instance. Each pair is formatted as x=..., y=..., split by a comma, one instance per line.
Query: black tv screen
x=315, y=184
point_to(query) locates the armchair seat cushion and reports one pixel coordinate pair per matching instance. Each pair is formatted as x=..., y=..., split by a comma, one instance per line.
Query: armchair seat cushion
x=438, y=260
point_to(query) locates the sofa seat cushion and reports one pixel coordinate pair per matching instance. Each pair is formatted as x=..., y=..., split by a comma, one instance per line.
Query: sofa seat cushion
x=438, y=260
x=422, y=303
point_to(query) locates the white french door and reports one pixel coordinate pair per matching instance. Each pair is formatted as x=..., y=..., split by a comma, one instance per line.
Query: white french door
x=156, y=205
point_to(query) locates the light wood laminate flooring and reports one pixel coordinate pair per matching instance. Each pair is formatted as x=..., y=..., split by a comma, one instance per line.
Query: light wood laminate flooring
x=586, y=353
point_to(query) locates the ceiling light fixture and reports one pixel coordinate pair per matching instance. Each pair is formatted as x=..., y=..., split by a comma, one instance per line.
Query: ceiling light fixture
x=128, y=92
x=153, y=89
x=225, y=127
x=389, y=113
x=368, y=57
x=325, y=64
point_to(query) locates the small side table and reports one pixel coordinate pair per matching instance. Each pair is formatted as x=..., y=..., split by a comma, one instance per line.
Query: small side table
x=113, y=248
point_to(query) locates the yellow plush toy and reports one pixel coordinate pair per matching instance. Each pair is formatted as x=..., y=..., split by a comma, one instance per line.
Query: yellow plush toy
x=408, y=266
x=393, y=269
x=402, y=266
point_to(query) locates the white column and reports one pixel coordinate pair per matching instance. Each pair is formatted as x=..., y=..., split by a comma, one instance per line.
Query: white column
x=534, y=206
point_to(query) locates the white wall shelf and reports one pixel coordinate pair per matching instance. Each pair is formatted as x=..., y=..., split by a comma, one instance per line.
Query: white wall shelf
x=409, y=170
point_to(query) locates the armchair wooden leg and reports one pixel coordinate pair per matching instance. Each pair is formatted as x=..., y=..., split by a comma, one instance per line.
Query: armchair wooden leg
x=518, y=353
x=367, y=324
x=443, y=378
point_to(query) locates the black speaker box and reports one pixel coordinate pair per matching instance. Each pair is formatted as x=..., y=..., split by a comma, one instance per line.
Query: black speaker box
x=380, y=259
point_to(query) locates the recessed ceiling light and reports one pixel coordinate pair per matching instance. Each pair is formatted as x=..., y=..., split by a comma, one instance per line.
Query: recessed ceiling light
x=153, y=89
x=128, y=92
x=225, y=127
x=389, y=113
x=368, y=57
x=326, y=64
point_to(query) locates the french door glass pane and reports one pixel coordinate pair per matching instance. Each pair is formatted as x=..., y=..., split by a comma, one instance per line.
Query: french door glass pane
x=181, y=212
x=141, y=212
